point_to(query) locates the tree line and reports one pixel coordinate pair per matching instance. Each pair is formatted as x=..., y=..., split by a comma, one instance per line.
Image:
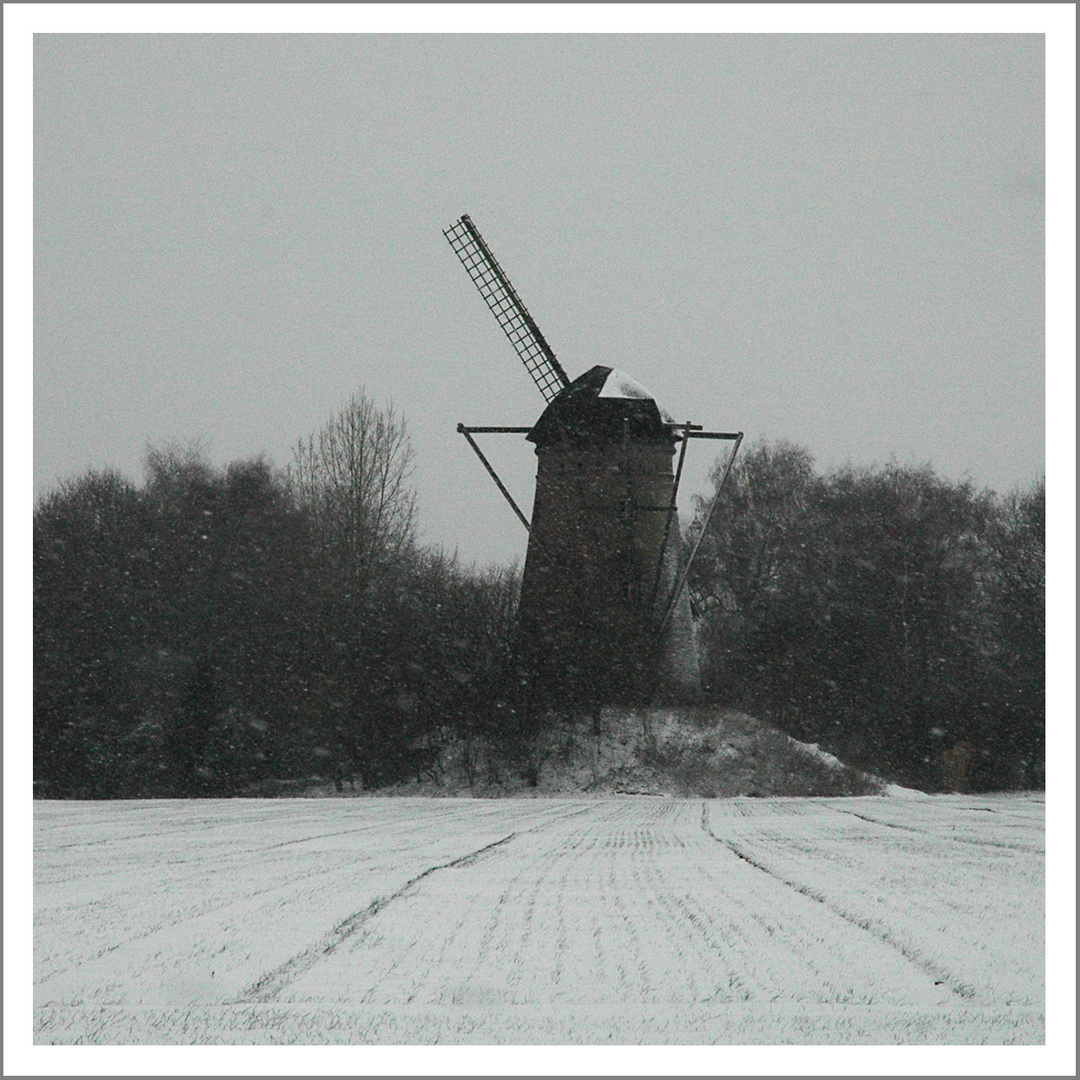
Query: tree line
x=892, y=616
x=213, y=630
x=221, y=631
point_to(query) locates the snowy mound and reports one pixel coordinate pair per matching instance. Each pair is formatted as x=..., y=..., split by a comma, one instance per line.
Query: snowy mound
x=692, y=751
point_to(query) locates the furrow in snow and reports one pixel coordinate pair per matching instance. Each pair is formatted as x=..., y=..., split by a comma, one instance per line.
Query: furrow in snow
x=634, y=919
x=951, y=837
x=939, y=976
x=268, y=986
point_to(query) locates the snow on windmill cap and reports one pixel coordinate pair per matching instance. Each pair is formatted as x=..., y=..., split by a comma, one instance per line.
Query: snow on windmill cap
x=595, y=408
x=619, y=384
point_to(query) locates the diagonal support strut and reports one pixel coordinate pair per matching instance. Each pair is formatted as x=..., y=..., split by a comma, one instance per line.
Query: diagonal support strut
x=670, y=609
x=468, y=433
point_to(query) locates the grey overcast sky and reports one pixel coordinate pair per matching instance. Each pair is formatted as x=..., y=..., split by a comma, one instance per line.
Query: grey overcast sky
x=835, y=240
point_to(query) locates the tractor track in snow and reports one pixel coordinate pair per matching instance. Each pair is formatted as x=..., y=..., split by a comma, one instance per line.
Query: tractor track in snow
x=203, y=895
x=271, y=984
x=268, y=986
x=923, y=834
x=936, y=973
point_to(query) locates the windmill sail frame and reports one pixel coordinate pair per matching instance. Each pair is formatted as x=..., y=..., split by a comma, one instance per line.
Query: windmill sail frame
x=508, y=308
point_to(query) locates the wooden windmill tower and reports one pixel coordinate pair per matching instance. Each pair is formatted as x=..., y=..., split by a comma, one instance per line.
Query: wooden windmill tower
x=604, y=615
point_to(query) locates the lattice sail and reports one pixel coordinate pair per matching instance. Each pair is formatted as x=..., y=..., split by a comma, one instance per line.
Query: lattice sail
x=511, y=314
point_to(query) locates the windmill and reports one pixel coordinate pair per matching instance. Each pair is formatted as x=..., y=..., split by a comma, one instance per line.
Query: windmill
x=604, y=614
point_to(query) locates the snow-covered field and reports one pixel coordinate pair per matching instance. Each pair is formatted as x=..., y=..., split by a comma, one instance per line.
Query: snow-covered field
x=568, y=920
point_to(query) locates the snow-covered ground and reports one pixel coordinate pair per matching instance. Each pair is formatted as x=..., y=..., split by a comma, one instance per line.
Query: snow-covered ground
x=566, y=920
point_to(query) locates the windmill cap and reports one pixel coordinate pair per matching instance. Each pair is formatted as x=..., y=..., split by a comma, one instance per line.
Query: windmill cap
x=595, y=407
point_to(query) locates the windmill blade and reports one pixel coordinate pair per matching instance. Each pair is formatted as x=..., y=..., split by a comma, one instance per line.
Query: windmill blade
x=511, y=314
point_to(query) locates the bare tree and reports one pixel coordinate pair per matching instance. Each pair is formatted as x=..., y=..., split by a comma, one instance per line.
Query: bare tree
x=353, y=476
